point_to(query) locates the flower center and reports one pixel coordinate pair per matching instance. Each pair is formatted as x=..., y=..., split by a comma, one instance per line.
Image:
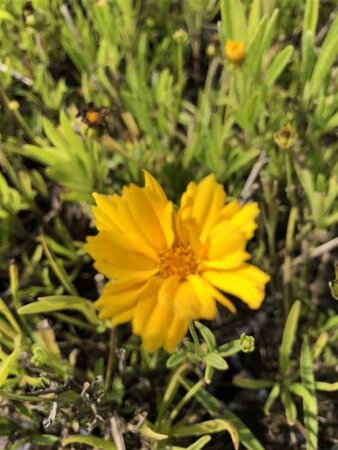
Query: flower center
x=178, y=260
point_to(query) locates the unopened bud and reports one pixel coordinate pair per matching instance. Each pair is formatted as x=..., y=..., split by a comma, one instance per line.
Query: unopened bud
x=247, y=343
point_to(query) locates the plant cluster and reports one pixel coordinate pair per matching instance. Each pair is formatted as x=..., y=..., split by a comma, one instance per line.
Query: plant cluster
x=92, y=94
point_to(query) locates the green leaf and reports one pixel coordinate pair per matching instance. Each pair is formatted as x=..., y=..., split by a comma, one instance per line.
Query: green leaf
x=278, y=65
x=326, y=387
x=308, y=56
x=207, y=427
x=147, y=430
x=310, y=16
x=9, y=316
x=309, y=402
x=8, y=364
x=92, y=441
x=254, y=17
x=289, y=407
x=247, y=383
x=274, y=394
x=62, y=302
x=198, y=445
x=44, y=439
x=214, y=406
x=5, y=15
x=176, y=359
x=58, y=269
x=326, y=58
x=289, y=336
x=216, y=361
x=207, y=334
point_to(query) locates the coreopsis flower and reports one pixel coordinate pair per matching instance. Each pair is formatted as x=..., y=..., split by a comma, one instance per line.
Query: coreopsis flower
x=234, y=51
x=168, y=267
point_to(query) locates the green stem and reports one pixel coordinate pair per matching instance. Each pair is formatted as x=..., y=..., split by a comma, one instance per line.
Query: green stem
x=188, y=396
x=170, y=392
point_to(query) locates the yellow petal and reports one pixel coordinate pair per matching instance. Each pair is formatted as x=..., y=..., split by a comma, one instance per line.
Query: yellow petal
x=230, y=261
x=157, y=326
x=204, y=294
x=244, y=219
x=186, y=302
x=203, y=203
x=117, y=297
x=154, y=188
x=177, y=330
x=229, y=210
x=246, y=283
x=142, y=213
x=224, y=240
x=105, y=212
x=122, y=317
x=168, y=290
x=118, y=257
x=146, y=305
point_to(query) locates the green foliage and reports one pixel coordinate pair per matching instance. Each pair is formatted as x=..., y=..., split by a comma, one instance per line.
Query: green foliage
x=169, y=102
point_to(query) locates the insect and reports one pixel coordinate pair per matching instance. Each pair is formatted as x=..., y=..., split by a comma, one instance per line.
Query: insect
x=94, y=117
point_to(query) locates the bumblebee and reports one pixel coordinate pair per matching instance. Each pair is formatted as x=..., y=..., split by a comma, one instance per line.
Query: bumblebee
x=94, y=117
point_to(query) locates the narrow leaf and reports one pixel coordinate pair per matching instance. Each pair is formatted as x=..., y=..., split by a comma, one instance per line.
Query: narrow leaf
x=310, y=402
x=92, y=441
x=278, y=65
x=289, y=336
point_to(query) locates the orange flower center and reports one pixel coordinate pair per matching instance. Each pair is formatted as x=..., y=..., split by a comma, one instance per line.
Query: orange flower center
x=178, y=260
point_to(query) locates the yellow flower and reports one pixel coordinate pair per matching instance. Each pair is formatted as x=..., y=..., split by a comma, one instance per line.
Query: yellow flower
x=169, y=267
x=234, y=51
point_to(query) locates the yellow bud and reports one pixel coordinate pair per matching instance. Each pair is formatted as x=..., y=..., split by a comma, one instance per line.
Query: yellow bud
x=13, y=105
x=234, y=51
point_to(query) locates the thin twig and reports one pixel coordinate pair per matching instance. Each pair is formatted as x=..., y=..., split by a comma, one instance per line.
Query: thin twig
x=16, y=74
x=257, y=167
x=316, y=252
x=117, y=435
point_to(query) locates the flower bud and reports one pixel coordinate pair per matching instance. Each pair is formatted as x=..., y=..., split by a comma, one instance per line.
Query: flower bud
x=234, y=51
x=247, y=343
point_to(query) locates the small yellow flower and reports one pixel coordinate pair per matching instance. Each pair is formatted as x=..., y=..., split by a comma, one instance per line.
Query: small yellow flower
x=234, y=51
x=169, y=267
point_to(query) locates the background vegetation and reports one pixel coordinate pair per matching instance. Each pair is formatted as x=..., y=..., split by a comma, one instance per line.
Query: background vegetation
x=167, y=100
